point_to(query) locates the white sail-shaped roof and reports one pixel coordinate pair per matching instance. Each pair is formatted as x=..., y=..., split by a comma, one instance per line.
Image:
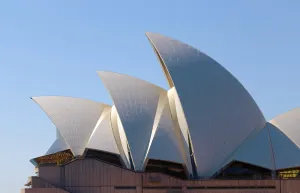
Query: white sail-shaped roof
x=289, y=124
x=120, y=137
x=167, y=143
x=206, y=120
x=102, y=137
x=257, y=150
x=276, y=147
x=180, y=126
x=286, y=152
x=285, y=135
x=219, y=112
x=136, y=102
x=178, y=113
x=75, y=118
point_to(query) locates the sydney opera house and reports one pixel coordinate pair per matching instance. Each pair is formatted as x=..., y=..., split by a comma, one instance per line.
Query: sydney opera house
x=205, y=133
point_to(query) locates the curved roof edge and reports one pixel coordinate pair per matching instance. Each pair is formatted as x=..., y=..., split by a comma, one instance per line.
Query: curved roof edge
x=71, y=97
x=256, y=150
x=289, y=124
x=75, y=118
x=102, y=72
x=160, y=59
x=120, y=138
x=136, y=102
x=285, y=136
x=184, y=65
x=102, y=138
x=167, y=143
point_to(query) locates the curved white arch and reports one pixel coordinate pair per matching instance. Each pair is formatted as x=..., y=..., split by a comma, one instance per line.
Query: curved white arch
x=168, y=143
x=120, y=137
x=75, y=118
x=180, y=126
x=102, y=137
x=136, y=102
x=285, y=135
x=219, y=112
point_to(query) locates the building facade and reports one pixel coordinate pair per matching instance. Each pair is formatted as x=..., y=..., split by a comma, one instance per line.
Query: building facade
x=94, y=176
x=205, y=133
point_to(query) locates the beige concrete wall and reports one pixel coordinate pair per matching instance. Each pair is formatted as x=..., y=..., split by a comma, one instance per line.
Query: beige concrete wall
x=290, y=186
x=92, y=176
x=52, y=174
x=37, y=182
x=43, y=190
x=93, y=173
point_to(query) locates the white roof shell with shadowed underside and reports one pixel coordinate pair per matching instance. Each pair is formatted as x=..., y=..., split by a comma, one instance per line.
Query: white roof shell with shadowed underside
x=220, y=114
x=168, y=143
x=102, y=137
x=256, y=150
x=205, y=120
x=75, y=118
x=285, y=136
x=136, y=103
x=276, y=147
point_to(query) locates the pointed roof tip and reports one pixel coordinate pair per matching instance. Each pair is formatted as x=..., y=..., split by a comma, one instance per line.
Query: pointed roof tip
x=102, y=75
x=102, y=72
x=108, y=71
x=33, y=98
x=99, y=72
x=150, y=34
x=37, y=99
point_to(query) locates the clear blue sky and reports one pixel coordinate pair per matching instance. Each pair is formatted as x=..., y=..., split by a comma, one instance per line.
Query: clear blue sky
x=56, y=47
